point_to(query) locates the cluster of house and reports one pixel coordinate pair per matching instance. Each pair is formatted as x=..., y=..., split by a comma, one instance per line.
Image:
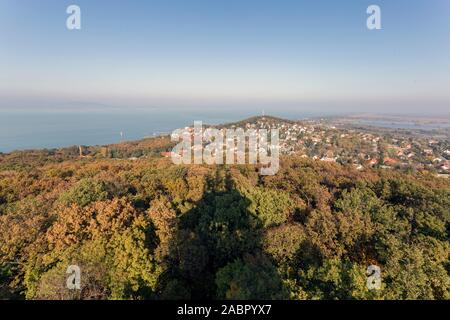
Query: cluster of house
x=325, y=142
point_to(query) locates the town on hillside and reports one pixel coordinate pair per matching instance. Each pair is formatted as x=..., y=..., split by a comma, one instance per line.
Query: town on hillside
x=321, y=139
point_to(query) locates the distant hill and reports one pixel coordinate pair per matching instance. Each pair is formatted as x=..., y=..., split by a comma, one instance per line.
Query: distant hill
x=255, y=120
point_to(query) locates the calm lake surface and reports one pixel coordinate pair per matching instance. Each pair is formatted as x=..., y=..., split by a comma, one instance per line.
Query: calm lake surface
x=25, y=130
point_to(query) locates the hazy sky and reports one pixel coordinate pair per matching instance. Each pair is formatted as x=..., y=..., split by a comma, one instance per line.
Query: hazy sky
x=301, y=55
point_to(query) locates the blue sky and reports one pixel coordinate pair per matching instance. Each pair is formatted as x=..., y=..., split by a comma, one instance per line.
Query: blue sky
x=194, y=54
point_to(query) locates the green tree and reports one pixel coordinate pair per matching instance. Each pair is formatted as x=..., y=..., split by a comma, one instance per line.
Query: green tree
x=254, y=277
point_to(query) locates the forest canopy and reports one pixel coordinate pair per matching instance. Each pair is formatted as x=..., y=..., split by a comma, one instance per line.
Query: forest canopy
x=148, y=229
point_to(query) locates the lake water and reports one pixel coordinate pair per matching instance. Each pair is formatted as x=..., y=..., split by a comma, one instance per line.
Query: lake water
x=23, y=130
